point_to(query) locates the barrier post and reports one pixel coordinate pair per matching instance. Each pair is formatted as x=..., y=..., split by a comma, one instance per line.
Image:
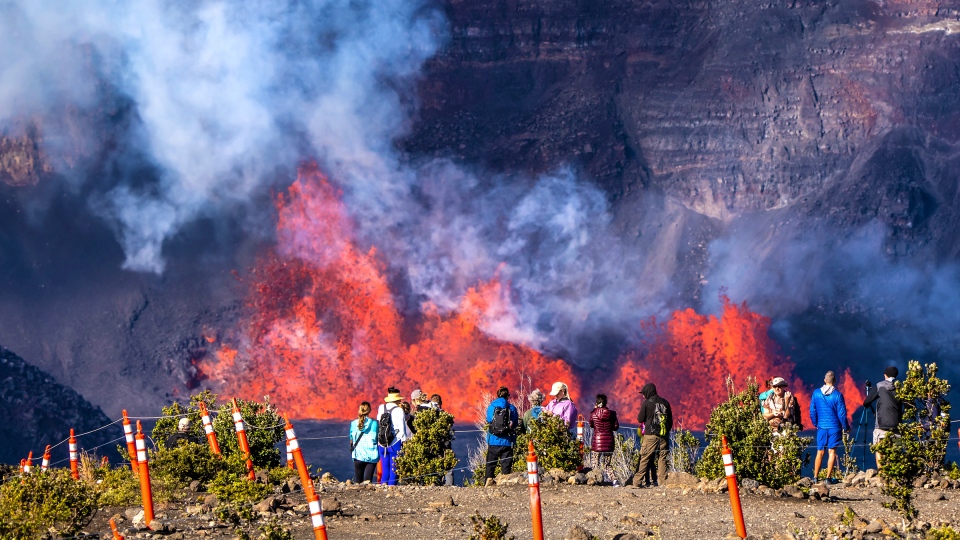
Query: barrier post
x=116, y=533
x=28, y=465
x=316, y=512
x=733, y=488
x=298, y=457
x=290, y=463
x=316, y=517
x=74, y=468
x=23, y=465
x=208, y=429
x=581, y=439
x=533, y=478
x=131, y=445
x=145, y=492
x=242, y=439
x=46, y=459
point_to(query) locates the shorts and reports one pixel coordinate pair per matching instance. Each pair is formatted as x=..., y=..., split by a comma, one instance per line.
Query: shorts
x=828, y=439
x=879, y=434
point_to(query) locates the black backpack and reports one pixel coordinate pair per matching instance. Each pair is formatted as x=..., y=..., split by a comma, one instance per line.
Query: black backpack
x=659, y=426
x=500, y=425
x=385, y=432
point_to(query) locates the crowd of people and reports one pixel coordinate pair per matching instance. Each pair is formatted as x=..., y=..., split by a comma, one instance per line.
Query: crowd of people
x=375, y=442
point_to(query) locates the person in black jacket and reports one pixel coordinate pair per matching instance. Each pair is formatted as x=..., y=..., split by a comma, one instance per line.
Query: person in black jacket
x=889, y=410
x=657, y=418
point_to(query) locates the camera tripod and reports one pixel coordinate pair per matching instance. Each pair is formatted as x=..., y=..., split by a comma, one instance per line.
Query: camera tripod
x=864, y=418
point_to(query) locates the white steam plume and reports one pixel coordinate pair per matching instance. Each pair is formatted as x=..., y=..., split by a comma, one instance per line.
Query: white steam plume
x=221, y=90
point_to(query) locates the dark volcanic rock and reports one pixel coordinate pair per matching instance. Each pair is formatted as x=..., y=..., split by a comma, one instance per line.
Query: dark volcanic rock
x=37, y=411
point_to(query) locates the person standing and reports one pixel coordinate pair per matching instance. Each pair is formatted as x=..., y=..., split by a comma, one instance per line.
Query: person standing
x=780, y=407
x=657, y=419
x=889, y=410
x=562, y=405
x=502, y=422
x=828, y=413
x=536, y=407
x=604, y=423
x=363, y=445
x=392, y=432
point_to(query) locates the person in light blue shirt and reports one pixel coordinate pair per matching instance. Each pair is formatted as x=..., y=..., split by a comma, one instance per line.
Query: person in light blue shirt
x=363, y=445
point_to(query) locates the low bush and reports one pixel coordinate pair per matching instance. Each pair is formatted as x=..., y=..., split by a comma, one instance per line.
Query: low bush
x=40, y=503
x=945, y=532
x=489, y=528
x=552, y=442
x=920, y=442
x=772, y=460
x=231, y=488
x=119, y=487
x=684, y=451
x=427, y=456
x=273, y=530
x=264, y=426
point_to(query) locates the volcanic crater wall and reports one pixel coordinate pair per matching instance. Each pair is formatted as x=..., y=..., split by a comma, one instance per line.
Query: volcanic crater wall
x=774, y=121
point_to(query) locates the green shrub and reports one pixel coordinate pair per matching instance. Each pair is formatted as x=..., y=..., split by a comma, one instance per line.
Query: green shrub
x=489, y=528
x=920, y=442
x=273, y=530
x=552, y=442
x=229, y=487
x=684, y=450
x=943, y=533
x=425, y=458
x=192, y=461
x=45, y=502
x=279, y=475
x=264, y=427
x=119, y=487
x=953, y=471
x=757, y=454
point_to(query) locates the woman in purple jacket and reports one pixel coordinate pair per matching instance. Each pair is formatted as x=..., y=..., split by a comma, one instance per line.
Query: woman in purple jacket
x=562, y=405
x=604, y=423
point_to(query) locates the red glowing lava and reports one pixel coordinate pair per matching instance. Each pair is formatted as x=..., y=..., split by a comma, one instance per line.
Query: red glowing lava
x=323, y=333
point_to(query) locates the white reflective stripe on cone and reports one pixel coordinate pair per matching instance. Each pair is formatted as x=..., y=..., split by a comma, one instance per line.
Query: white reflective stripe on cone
x=141, y=445
x=727, y=459
x=237, y=417
x=534, y=478
x=531, y=466
x=208, y=429
x=317, y=520
x=294, y=445
x=728, y=470
x=127, y=429
x=142, y=456
x=291, y=434
x=26, y=469
x=73, y=447
x=45, y=464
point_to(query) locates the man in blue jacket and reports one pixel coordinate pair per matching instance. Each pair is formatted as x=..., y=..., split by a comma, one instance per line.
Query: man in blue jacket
x=828, y=413
x=502, y=422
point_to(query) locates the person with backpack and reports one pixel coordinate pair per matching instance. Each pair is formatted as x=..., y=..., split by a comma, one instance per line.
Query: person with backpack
x=536, y=407
x=604, y=423
x=502, y=422
x=828, y=413
x=889, y=410
x=657, y=419
x=392, y=432
x=363, y=445
x=562, y=405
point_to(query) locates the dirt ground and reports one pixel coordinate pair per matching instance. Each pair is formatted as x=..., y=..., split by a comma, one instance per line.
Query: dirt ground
x=605, y=512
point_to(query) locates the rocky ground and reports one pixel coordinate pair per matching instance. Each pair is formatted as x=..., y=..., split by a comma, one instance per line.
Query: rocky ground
x=686, y=507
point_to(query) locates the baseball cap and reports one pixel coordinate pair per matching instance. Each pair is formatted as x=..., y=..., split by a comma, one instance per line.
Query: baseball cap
x=557, y=387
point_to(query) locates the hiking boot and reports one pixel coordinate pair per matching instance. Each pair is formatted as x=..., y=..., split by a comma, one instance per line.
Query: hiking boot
x=489, y=482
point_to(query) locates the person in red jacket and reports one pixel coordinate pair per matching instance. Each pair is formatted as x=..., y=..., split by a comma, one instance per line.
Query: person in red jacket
x=604, y=423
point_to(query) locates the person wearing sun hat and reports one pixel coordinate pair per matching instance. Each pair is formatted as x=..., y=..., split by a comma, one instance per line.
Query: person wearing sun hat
x=562, y=405
x=780, y=407
x=392, y=433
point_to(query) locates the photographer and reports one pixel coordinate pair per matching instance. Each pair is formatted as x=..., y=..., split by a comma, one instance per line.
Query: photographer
x=889, y=410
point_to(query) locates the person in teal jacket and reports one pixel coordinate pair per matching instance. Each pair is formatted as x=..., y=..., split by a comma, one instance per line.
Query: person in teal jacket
x=828, y=413
x=363, y=445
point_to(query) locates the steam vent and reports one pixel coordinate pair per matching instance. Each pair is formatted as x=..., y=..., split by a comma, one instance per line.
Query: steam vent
x=317, y=200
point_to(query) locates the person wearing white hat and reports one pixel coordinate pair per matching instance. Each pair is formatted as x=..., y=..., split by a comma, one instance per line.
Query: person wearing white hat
x=182, y=434
x=562, y=405
x=780, y=407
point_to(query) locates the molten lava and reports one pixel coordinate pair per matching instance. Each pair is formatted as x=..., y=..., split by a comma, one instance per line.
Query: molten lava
x=323, y=332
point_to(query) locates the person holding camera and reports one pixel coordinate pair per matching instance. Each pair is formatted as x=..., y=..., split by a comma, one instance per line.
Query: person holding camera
x=781, y=408
x=889, y=410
